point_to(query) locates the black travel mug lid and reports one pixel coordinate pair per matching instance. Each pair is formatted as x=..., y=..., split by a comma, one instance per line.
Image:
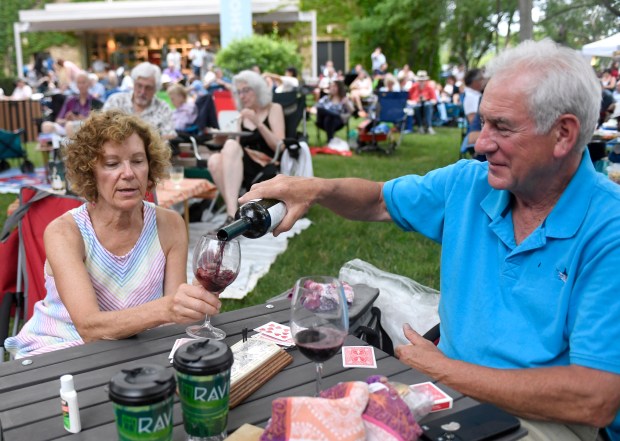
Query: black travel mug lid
x=203, y=357
x=142, y=385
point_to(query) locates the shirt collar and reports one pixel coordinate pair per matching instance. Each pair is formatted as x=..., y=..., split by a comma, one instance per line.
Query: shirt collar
x=570, y=210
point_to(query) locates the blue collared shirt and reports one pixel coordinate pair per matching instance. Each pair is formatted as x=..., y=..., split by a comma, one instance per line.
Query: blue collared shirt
x=552, y=300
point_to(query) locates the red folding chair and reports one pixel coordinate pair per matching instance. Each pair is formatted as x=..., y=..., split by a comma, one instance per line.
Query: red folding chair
x=37, y=209
x=224, y=100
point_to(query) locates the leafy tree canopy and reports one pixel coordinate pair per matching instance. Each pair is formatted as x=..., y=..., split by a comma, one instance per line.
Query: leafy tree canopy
x=269, y=52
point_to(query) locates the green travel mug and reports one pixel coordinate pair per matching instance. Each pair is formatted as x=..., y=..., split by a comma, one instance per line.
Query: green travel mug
x=142, y=399
x=203, y=376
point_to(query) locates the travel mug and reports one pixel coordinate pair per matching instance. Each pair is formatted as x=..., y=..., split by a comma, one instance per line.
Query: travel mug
x=203, y=376
x=142, y=399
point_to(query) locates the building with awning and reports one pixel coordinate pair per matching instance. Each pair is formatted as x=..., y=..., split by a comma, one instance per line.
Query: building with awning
x=139, y=29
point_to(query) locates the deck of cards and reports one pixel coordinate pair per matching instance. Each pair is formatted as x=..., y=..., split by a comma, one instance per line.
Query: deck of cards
x=359, y=357
x=275, y=333
x=441, y=400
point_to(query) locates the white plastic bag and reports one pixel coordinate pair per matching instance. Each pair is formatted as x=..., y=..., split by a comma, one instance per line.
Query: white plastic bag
x=401, y=299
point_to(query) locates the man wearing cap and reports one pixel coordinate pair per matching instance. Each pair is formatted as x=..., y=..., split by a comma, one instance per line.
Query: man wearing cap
x=143, y=102
x=422, y=99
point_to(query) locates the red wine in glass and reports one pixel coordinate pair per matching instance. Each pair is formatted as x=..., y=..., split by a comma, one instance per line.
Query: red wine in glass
x=319, y=319
x=320, y=344
x=216, y=265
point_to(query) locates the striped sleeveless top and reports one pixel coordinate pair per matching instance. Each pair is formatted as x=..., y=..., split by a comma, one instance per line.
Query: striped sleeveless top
x=119, y=281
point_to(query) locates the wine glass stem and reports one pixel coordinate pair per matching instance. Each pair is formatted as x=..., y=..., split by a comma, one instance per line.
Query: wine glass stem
x=207, y=323
x=319, y=373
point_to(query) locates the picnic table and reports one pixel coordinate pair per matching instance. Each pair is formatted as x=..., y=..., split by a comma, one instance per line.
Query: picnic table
x=29, y=393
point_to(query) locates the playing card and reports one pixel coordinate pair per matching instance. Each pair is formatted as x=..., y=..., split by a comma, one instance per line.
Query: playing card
x=265, y=337
x=276, y=331
x=358, y=356
x=441, y=400
x=179, y=342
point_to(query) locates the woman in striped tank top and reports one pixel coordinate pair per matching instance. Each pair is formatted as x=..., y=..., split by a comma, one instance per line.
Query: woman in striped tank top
x=116, y=265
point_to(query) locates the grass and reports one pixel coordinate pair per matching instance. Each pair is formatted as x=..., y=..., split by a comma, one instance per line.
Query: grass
x=331, y=241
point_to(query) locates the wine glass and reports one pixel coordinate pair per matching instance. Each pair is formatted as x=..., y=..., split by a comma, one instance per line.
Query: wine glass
x=319, y=319
x=177, y=173
x=216, y=265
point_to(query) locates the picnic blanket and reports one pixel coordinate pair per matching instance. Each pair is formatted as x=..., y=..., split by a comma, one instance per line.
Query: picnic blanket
x=13, y=179
x=257, y=255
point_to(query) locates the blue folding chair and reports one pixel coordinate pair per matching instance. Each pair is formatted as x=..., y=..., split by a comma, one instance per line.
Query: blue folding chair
x=387, y=124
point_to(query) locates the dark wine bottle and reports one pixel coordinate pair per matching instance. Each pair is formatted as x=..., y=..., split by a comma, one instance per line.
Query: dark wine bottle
x=254, y=219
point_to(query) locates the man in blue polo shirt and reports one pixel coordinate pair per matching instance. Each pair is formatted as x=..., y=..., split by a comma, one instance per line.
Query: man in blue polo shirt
x=535, y=328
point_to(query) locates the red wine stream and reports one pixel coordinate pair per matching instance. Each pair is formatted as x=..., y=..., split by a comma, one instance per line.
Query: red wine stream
x=212, y=277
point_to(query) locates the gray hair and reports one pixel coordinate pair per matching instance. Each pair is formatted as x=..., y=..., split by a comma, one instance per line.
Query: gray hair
x=257, y=83
x=147, y=70
x=562, y=82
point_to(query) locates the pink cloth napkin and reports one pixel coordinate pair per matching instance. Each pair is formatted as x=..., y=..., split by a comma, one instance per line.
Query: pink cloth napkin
x=345, y=412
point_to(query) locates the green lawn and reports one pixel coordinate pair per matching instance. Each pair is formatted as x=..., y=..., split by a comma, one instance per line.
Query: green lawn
x=331, y=241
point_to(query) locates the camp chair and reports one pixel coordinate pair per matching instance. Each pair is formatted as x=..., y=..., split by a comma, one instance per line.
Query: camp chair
x=37, y=209
x=292, y=156
x=386, y=126
x=294, y=107
x=224, y=100
x=11, y=147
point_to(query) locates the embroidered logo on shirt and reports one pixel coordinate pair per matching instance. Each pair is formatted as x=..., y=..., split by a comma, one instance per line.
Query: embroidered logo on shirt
x=562, y=275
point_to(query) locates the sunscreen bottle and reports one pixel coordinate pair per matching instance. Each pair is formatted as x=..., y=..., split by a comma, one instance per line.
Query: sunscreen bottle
x=70, y=408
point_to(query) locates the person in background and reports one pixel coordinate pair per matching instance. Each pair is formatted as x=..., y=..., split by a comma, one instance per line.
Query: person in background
x=197, y=57
x=377, y=58
x=185, y=112
x=74, y=110
x=22, y=90
x=172, y=75
x=216, y=80
x=608, y=81
x=537, y=218
x=422, y=98
x=196, y=88
x=66, y=74
x=173, y=58
x=143, y=102
x=360, y=89
x=91, y=295
x=96, y=89
x=241, y=159
x=111, y=84
x=474, y=85
x=333, y=110
x=390, y=84
x=283, y=83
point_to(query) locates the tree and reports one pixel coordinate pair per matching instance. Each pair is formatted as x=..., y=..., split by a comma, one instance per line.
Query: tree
x=472, y=28
x=269, y=52
x=575, y=23
x=34, y=42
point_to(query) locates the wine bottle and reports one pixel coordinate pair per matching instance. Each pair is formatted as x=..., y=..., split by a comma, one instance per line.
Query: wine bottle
x=254, y=219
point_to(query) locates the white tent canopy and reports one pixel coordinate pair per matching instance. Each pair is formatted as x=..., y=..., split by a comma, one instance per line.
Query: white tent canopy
x=607, y=47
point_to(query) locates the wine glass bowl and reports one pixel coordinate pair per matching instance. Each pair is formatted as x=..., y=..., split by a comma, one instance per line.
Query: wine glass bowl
x=177, y=173
x=216, y=265
x=319, y=319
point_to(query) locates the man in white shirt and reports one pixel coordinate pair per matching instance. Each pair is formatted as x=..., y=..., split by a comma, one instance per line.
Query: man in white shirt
x=142, y=101
x=377, y=58
x=173, y=58
x=197, y=56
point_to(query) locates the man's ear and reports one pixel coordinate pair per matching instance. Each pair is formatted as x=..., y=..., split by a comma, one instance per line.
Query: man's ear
x=566, y=132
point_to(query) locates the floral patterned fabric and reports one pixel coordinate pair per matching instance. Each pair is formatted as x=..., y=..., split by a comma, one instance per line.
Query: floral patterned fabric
x=345, y=412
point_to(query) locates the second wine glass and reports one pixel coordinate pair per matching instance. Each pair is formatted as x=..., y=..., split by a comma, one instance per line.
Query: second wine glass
x=216, y=265
x=319, y=319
